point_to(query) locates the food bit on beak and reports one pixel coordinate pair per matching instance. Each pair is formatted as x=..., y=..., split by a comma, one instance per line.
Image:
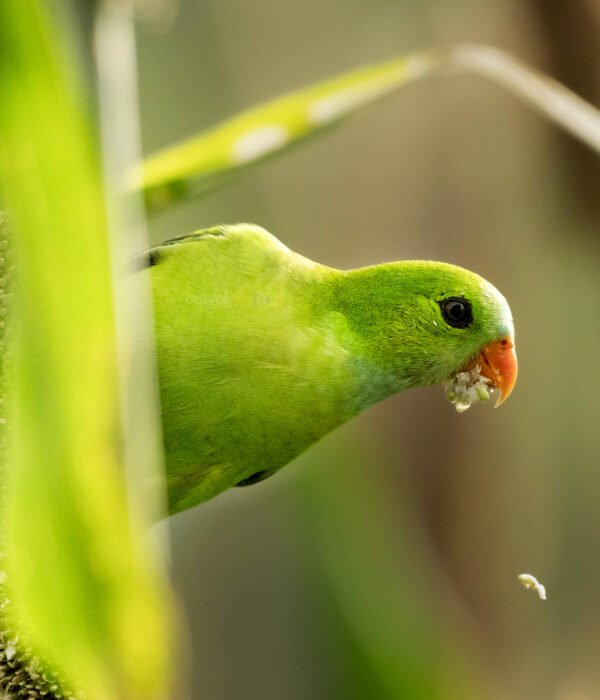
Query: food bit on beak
x=494, y=368
x=467, y=388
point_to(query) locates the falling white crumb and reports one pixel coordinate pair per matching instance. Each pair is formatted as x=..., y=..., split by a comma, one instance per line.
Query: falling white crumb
x=531, y=582
x=467, y=388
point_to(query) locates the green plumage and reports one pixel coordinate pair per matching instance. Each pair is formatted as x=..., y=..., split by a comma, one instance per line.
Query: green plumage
x=262, y=352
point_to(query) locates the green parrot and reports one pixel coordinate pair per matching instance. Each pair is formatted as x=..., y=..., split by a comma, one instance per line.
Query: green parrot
x=261, y=351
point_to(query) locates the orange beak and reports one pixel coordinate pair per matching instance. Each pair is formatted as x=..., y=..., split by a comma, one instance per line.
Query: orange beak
x=498, y=363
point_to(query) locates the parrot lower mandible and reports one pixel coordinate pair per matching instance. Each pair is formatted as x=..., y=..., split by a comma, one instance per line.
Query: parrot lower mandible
x=261, y=351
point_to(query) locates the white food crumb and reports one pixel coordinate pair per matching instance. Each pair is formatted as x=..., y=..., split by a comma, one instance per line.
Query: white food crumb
x=530, y=581
x=467, y=388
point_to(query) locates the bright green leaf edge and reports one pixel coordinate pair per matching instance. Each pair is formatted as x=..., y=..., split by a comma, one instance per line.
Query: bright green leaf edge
x=86, y=591
x=222, y=153
x=215, y=156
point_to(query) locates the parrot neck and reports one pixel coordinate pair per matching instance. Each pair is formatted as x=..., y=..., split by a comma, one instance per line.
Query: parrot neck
x=363, y=313
x=372, y=384
x=372, y=308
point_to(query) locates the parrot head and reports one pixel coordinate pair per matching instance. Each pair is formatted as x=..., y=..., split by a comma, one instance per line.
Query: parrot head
x=462, y=322
x=432, y=321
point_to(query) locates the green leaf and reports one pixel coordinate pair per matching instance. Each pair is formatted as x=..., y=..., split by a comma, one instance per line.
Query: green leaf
x=87, y=590
x=216, y=156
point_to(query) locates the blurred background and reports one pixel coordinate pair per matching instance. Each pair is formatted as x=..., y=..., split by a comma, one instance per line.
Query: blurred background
x=383, y=563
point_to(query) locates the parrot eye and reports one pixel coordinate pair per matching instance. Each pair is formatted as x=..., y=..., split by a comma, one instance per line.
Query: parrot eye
x=457, y=312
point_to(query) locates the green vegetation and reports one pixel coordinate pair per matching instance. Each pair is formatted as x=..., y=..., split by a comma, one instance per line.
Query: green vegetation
x=88, y=592
x=81, y=577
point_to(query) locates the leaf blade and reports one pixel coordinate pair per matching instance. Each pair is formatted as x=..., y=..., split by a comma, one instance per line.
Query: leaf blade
x=86, y=590
x=216, y=156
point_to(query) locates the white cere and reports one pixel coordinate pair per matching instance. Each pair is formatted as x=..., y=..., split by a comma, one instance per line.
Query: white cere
x=259, y=142
x=467, y=388
x=532, y=583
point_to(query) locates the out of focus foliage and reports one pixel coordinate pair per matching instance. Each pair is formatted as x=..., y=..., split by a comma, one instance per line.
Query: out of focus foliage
x=86, y=590
x=382, y=565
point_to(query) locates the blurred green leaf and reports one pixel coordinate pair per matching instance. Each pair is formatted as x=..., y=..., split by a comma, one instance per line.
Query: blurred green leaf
x=214, y=157
x=86, y=589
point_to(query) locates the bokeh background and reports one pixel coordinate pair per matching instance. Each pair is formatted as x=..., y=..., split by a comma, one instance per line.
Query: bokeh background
x=382, y=563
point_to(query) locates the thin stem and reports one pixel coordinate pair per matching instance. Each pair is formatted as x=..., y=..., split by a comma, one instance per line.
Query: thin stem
x=546, y=95
x=121, y=144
